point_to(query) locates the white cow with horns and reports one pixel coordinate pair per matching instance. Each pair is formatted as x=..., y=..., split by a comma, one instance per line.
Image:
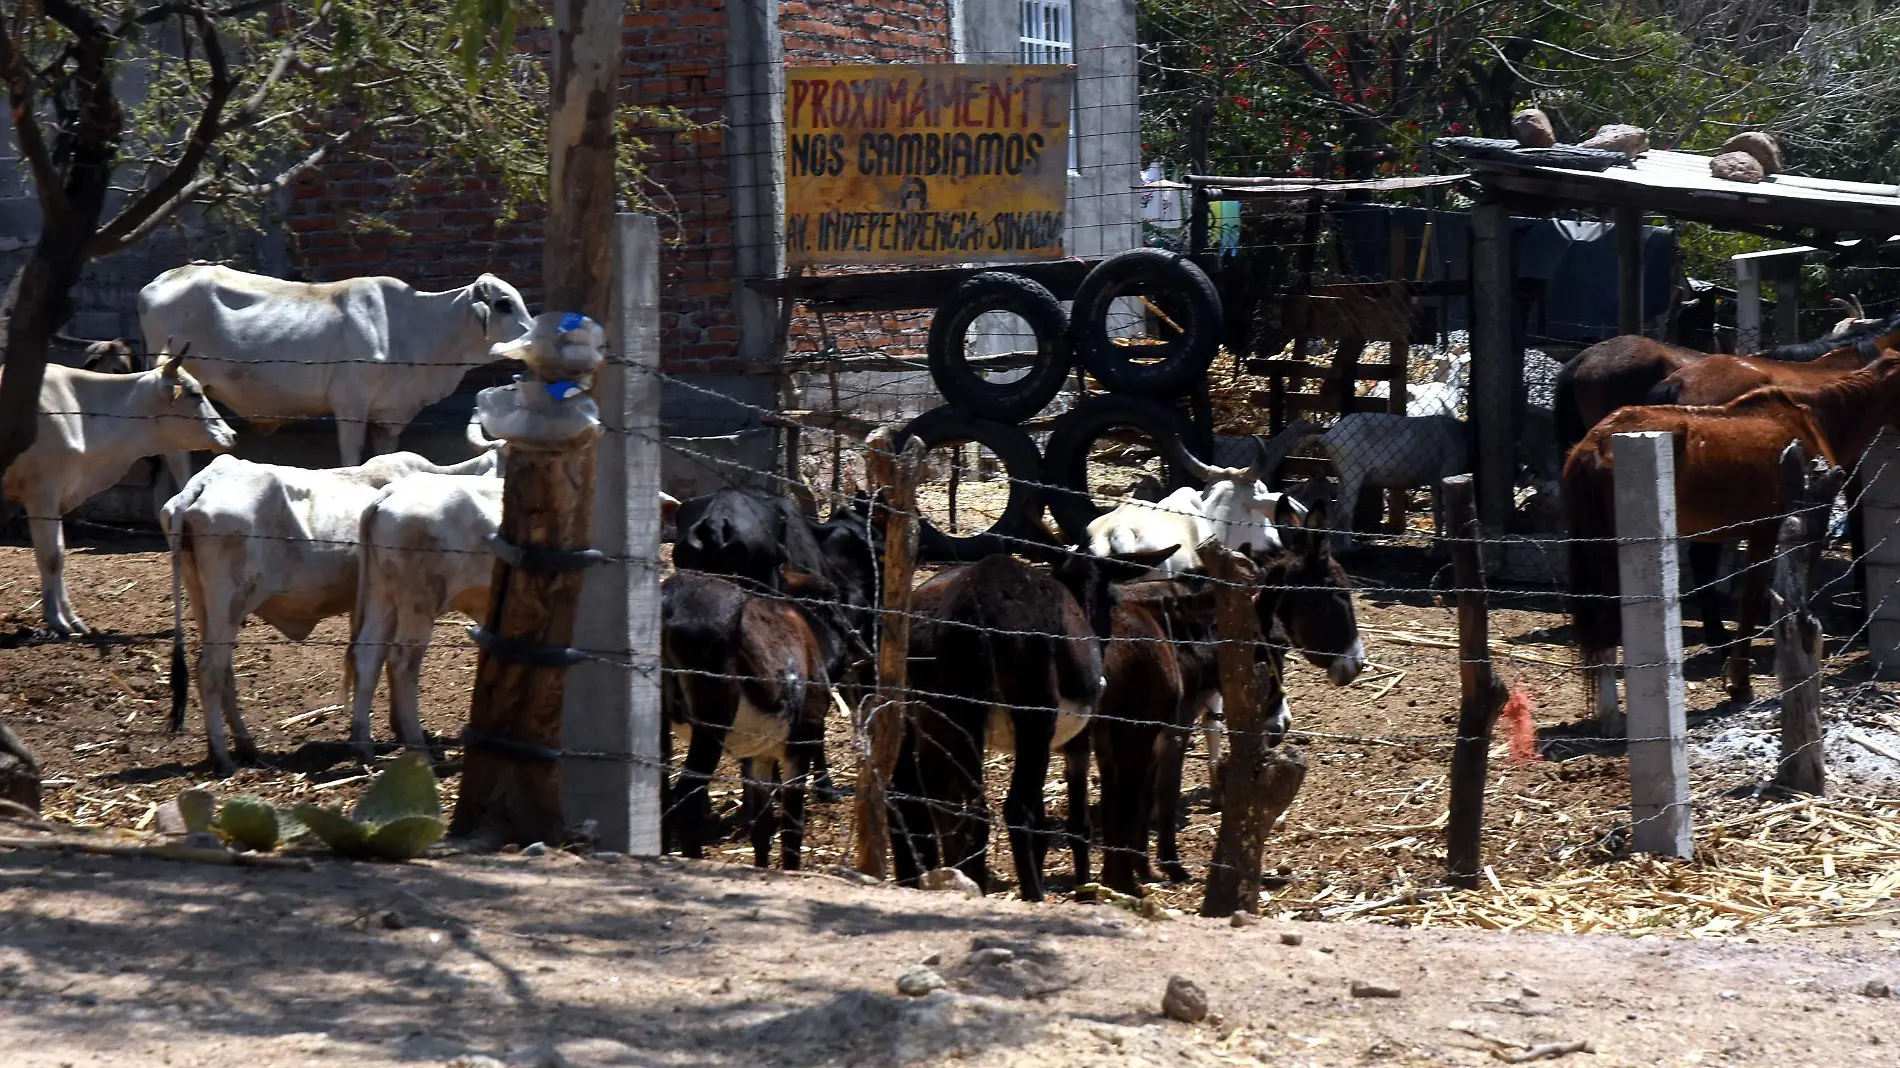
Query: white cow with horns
x=276, y=542
x=372, y=352
x=1235, y=507
x=92, y=427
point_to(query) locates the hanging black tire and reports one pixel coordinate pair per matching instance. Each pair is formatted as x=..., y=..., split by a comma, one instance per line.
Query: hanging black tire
x=963, y=385
x=1186, y=306
x=1022, y=464
x=1073, y=437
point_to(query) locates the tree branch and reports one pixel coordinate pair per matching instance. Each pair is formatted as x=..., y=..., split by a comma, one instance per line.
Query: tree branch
x=26, y=125
x=79, y=21
x=165, y=11
x=163, y=198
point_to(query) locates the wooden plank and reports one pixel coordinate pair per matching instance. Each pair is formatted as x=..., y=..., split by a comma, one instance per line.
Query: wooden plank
x=899, y=290
x=1802, y=764
x=893, y=478
x=1481, y=694
x=1315, y=402
x=1258, y=786
x=1652, y=643
x=1384, y=316
x=1769, y=208
x=1368, y=372
x=1629, y=270
x=1493, y=360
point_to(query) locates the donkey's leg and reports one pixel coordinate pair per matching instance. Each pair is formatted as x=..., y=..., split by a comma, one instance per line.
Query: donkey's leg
x=1705, y=569
x=1075, y=758
x=1740, y=665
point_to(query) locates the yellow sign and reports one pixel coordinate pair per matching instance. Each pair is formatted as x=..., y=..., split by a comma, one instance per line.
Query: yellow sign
x=927, y=163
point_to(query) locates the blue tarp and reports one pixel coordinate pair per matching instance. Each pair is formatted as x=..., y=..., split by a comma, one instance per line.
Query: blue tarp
x=1575, y=260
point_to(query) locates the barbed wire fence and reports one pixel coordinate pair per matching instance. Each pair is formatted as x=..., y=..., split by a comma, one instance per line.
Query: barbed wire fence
x=888, y=386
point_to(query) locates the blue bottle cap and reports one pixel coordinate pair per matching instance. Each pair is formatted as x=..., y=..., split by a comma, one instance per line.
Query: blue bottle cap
x=572, y=321
x=561, y=391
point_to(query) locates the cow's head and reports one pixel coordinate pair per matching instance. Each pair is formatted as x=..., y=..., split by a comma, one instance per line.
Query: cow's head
x=499, y=308
x=185, y=419
x=1237, y=504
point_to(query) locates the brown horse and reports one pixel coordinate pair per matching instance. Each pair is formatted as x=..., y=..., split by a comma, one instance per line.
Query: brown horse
x=1635, y=370
x=1728, y=481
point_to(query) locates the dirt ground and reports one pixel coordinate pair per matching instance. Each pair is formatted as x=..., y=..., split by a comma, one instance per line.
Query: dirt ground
x=670, y=963
x=1366, y=824
x=446, y=962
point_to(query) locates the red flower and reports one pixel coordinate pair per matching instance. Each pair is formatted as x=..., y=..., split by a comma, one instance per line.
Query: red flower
x=1243, y=103
x=1457, y=129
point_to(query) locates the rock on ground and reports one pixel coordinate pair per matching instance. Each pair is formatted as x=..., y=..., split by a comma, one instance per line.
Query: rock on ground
x=1184, y=1001
x=950, y=880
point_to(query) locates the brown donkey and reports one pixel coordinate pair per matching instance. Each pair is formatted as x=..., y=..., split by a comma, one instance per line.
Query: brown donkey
x=1728, y=484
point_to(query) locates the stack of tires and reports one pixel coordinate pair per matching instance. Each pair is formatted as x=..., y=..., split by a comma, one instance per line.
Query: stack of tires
x=1142, y=380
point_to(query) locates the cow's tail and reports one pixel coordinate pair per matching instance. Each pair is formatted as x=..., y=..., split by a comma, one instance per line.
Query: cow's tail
x=181, y=674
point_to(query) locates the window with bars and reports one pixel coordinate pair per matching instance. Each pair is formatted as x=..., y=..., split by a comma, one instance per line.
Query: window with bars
x=1048, y=36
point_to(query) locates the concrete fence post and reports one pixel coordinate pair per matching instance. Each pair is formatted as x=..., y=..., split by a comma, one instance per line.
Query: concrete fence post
x=612, y=708
x=1652, y=641
x=1880, y=510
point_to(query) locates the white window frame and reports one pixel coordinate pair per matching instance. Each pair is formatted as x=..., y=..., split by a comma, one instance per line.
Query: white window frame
x=1046, y=34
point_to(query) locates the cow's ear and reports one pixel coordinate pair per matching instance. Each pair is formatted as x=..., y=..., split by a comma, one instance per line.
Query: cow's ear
x=480, y=308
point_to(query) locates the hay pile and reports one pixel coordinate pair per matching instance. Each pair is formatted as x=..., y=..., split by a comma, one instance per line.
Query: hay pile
x=1815, y=862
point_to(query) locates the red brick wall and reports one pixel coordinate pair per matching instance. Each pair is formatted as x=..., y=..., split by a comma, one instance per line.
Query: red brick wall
x=865, y=31
x=674, y=54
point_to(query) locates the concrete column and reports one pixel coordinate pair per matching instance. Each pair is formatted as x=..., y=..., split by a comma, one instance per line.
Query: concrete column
x=1747, y=305
x=755, y=147
x=1880, y=505
x=612, y=705
x=1104, y=211
x=1652, y=642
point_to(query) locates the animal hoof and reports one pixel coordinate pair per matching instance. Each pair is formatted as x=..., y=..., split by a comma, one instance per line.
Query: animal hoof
x=1176, y=873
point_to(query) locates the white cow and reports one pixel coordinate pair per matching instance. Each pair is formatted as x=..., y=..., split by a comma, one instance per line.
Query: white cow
x=1235, y=508
x=372, y=352
x=425, y=552
x=92, y=427
x=278, y=542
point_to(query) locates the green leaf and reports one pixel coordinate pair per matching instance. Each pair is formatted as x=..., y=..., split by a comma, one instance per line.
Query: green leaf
x=336, y=829
x=405, y=788
x=250, y=822
x=405, y=838
x=199, y=809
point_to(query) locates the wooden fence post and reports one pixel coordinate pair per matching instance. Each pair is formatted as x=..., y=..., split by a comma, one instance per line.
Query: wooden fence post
x=612, y=707
x=1256, y=786
x=1880, y=518
x=892, y=480
x=1652, y=642
x=1482, y=694
x=1803, y=762
x=511, y=781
